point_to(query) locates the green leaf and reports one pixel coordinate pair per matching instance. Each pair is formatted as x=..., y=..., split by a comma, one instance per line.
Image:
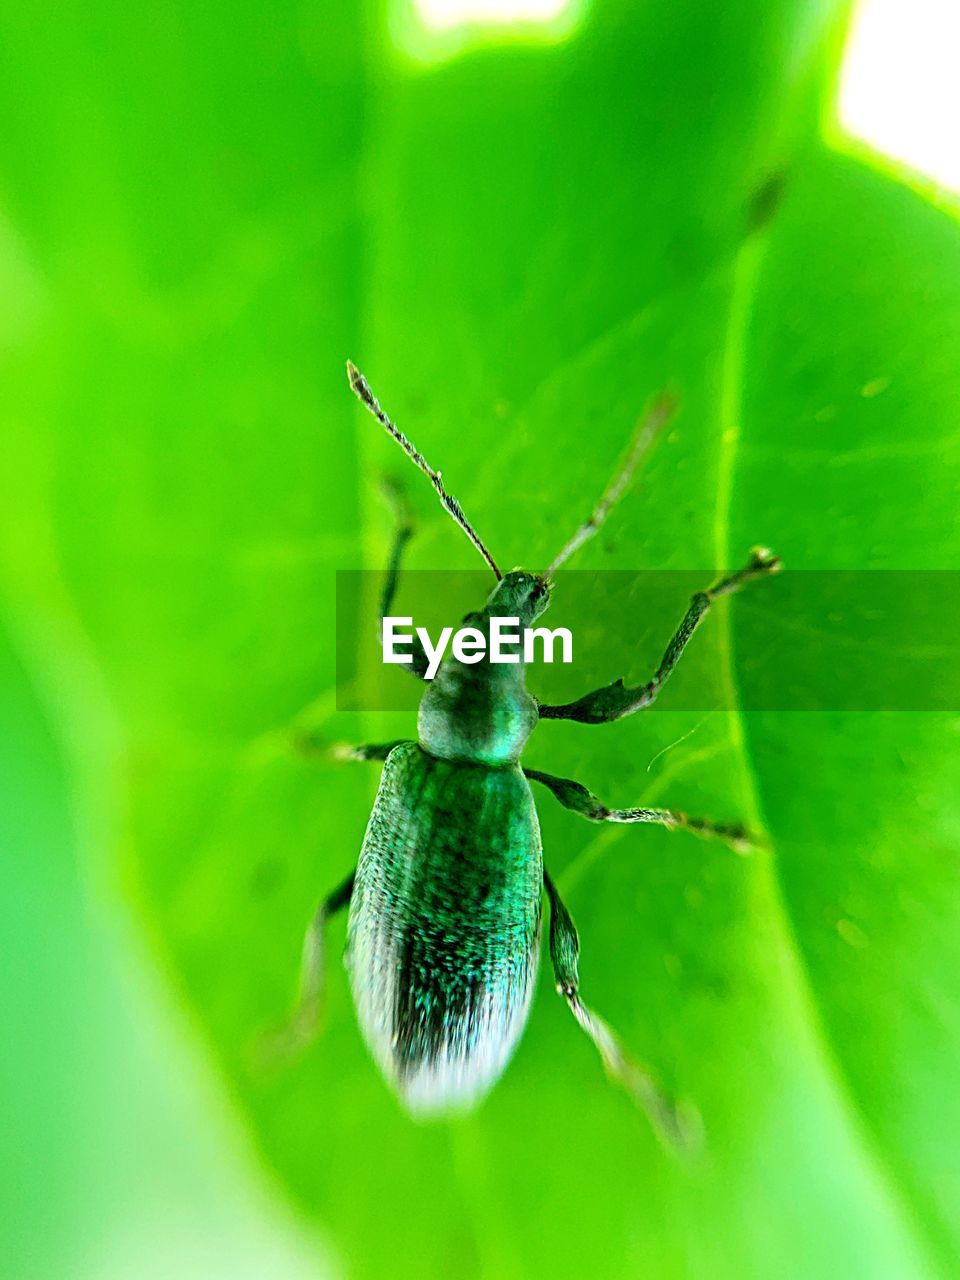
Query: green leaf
x=520, y=248
x=863, y=807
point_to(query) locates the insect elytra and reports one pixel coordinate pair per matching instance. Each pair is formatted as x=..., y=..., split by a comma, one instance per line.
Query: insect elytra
x=445, y=902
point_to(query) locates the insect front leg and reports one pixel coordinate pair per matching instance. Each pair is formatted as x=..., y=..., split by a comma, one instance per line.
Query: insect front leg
x=675, y=1126
x=616, y=700
x=403, y=533
x=575, y=796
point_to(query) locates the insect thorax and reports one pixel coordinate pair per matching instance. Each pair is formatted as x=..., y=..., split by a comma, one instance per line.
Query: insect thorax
x=482, y=711
x=477, y=712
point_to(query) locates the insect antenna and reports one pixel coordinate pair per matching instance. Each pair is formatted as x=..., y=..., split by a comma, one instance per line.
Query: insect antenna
x=361, y=389
x=650, y=426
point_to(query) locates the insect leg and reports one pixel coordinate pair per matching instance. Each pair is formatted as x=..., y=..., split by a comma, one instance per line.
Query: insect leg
x=397, y=502
x=575, y=796
x=616, y=700
x=367, y=750
x=302, y=1025
x=673, y=1125
x=312, y=744
x=313, y=960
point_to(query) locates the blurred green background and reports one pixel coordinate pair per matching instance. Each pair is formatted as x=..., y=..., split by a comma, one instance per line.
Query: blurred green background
x=203, y=211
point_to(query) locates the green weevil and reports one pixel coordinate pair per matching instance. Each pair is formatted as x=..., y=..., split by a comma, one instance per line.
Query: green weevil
x=445, y=903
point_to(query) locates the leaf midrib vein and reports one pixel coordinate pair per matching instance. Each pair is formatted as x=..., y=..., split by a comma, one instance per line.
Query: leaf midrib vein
x=863, y=1135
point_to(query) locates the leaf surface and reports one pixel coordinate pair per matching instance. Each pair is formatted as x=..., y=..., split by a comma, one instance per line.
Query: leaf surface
x=520, y=248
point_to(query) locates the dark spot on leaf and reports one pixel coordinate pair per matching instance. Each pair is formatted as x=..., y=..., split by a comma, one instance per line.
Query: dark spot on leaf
x=267, y=877
x=764, y=201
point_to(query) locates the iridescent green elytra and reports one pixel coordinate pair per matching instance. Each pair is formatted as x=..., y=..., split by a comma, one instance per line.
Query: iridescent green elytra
x=445, y=903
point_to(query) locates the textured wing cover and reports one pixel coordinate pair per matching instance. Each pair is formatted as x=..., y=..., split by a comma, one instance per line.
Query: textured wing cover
x=445, y=925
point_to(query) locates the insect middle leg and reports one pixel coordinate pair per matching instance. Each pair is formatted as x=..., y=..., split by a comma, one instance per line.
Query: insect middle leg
x=616, y=700
x=309, y=743
x=367, y=750
x=672, y=1124
x=575, y=796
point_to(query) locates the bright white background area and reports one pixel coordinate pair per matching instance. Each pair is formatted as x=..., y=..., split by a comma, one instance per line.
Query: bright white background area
x=441, y=15
x=900, y=88
x=900, y=85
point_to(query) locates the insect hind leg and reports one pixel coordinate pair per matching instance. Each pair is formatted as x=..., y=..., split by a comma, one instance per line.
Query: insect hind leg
x=676, y=1126
x=302, y=1026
